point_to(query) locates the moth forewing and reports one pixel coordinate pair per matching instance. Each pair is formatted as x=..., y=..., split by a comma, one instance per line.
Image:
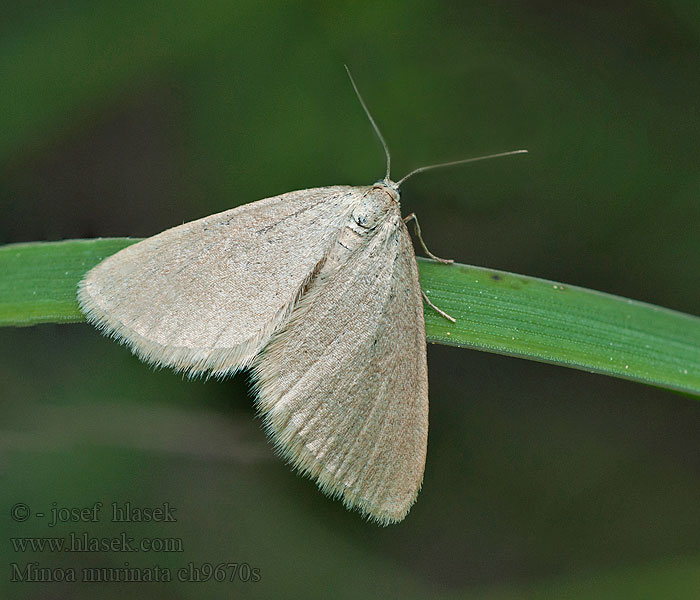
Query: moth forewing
x=206, y=296
x=343, y=386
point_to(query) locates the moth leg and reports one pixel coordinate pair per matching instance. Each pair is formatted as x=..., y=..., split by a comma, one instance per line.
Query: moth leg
x=442, y=313
x=447, y=261
x=414, y=218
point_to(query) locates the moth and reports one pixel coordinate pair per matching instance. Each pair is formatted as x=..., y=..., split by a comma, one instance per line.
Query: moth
x=318, y=292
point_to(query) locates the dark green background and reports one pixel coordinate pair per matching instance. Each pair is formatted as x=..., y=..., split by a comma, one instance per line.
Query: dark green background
x=127, y=118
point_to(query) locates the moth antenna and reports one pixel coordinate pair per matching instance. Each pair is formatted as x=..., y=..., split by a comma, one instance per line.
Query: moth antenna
x=457, y=162
x=374, y=125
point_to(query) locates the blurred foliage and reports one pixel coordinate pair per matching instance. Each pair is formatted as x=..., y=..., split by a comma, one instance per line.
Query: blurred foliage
x=127, y=118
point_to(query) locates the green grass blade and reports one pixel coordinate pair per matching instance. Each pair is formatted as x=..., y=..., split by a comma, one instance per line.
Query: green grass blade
x=495, y=311
x=563, y=324
x=38, y=280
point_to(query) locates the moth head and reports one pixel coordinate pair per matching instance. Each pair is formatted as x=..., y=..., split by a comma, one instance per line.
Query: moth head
x=389, y=187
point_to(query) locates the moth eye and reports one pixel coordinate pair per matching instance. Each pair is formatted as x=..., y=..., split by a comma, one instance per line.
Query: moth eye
x=365, y=217
x=371, y=212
